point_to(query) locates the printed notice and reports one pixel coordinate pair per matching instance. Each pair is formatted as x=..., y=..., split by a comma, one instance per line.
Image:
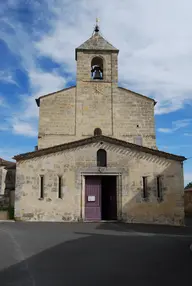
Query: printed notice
x=91, y=198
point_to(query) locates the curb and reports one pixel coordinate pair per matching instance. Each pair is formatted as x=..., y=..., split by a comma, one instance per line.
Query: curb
x=7, y=220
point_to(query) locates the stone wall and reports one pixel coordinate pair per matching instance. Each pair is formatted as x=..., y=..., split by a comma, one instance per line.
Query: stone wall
x=133, y=116
x=4, y=215
x=7, y=183
x=2, y=179
x=57, y=118
x=7, y=179
x=10, y=179
x=74, y=113
x=94, y=108
x=188, y=202
x=72, y=165
x=110, y=65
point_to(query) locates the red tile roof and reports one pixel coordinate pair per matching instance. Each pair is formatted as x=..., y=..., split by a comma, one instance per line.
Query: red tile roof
x=6, y=163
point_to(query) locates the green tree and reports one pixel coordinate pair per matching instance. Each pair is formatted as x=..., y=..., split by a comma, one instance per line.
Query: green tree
x=188, y=186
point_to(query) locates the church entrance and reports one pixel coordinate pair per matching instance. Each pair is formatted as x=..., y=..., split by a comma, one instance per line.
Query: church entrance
x=100, y=198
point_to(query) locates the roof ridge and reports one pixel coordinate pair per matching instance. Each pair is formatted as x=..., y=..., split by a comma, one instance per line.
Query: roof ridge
x=92, y=139
x=124, y=88
x=83, y=46
x=4, y=162
x=48, y=94
x=96, y=42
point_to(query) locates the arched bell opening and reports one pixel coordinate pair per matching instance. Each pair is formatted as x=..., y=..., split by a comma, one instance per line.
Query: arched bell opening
x=97, y=68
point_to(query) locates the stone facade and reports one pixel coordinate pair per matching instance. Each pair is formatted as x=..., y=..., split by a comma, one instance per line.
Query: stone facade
x=57, y=118
x=7, y=176
x=188, y=202
x=7, y=184
x=75, y=112
x=74, y=164
x=67, y=149
x=2, y=179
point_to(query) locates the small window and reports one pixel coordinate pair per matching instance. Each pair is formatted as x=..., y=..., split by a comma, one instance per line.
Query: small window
x=144, y=187
x=59, y=187
x=101, y=158
x=159, y=187
x=41, y=187
x=138, y=140
x=97, y=132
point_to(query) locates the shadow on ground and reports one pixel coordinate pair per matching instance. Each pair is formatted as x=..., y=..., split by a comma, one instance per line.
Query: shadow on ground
x=105, y=260
x=148, y=228
x=188, y=221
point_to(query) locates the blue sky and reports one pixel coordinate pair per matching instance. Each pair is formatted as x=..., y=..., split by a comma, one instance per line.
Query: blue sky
x=37, y=43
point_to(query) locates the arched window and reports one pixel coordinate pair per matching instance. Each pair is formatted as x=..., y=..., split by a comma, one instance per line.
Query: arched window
x=97, y=68
x=101, y=158
x=97, y=132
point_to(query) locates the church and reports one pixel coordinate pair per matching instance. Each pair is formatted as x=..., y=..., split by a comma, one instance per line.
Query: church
x=97, y=158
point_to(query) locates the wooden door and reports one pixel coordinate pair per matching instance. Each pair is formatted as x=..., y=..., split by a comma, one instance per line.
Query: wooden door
x=93, y=198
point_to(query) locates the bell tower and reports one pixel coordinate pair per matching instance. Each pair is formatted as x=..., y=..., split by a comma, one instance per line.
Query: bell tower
x=97, y=59
x=96, y=82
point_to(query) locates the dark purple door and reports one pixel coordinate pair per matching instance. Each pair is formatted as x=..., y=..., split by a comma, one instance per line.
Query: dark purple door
x=93, y=198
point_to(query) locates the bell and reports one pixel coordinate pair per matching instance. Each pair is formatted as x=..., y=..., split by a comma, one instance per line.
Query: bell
x=97, y=73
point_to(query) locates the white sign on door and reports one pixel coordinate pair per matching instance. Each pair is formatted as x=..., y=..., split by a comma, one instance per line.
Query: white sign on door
x=91, y=198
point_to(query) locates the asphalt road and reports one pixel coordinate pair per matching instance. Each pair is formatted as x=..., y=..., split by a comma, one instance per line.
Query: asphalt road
x=54, y=254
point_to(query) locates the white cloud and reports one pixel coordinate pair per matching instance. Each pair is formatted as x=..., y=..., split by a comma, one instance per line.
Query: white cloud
x=41, y=82
x=26, y=123
x=7, y=77
x=24, y=128
x=155, y=54
x=178, y=124
x=188, y=134
x=181, y=123
x=165, y=130
x=44, y=82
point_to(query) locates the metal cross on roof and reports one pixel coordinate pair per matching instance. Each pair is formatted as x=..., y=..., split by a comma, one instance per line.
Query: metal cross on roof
x=97, y=26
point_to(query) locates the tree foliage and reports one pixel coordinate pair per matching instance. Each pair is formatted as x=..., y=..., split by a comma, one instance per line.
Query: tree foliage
x=188, y=186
